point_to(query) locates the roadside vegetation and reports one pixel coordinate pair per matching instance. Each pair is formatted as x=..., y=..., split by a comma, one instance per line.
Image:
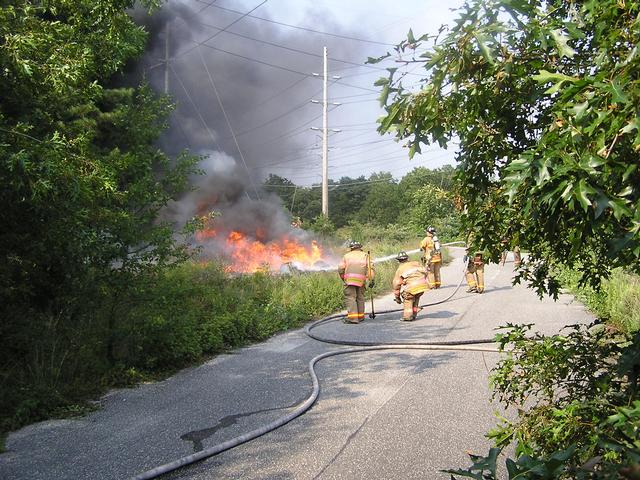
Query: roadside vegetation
x=163, y=322
x=617, y=301
x=541, y=98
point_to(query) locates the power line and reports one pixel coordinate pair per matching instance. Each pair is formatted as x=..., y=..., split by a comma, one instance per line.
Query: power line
x=335, y=185
x=207, y=5
x=226, y=117
x=243, y=15
x=288, y=112
x=255, y=60
x=342, y=169
x=284, y=47
x=302, y=28
x=356, y=86
x=206, y=126
x=295, y=131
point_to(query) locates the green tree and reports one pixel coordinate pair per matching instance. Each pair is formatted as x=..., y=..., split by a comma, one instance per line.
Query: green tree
x=284, y=188
x=307, y=204
x=431, y=206
x=346, y=198
x=382, y=203
x=543, y=97
x=420, y=176
x=82, y=183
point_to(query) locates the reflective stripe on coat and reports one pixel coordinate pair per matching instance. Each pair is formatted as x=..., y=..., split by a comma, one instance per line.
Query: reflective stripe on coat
x=353, y=268
x=410, y=277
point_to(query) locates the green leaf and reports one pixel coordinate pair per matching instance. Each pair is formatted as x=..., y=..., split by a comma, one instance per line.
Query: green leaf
x=626, y=192
x=545, y=76
x=579, y=109
x=559, y=78
x=381, y=81
x=483, y=41
x=633, y=124
x=620, y=208
x=561, y=42
x=543, y=174
x=410, y=36
x=391, y=117
x=377, y=59
x=580, y=194
x=384, y=95
x=601, y=203
x=630, y=169
x=618, y=95
x=414, y=148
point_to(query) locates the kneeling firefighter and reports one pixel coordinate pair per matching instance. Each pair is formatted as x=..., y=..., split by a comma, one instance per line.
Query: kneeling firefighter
x=355, y=269
x=475, y=268
x=409, y=283
x=432, y=257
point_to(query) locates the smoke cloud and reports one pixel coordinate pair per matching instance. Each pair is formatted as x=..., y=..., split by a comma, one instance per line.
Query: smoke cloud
x=243, y=104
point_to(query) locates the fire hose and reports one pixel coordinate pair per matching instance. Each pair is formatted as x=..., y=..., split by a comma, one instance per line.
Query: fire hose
x=358, y=346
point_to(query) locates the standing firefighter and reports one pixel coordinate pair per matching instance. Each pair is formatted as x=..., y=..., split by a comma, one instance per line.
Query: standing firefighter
x=409, y=283
x=355, y=269
x=475, y=268
x=517, y=258
x=432, y=257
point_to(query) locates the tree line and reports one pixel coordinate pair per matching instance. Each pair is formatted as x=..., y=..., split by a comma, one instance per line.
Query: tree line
x=421, y=198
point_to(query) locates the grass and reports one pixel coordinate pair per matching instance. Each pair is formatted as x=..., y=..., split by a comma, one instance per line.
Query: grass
x=168, y=321
x=617, y=301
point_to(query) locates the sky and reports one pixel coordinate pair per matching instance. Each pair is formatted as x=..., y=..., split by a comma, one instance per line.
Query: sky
x=241, y=73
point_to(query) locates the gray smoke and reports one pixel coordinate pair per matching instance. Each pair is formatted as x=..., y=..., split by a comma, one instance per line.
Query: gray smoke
x=219, y=95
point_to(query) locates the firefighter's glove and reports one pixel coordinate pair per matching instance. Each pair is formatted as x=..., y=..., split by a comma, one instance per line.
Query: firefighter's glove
x=397, y=299
x=372, y=283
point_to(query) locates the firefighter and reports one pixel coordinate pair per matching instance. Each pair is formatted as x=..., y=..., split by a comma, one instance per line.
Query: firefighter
x=475, y=268
x=355, y=269
x=517, y=258
x=409, y=283
x=504, y=243
x=432, y=257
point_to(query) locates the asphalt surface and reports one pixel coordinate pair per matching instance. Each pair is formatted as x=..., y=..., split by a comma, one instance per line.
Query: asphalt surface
x=384, y=414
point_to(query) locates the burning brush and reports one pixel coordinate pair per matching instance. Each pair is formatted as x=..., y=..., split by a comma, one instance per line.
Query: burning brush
x=249, y=252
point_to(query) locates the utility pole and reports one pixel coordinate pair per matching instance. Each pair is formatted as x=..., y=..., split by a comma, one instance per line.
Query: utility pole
x=325, y=134
x=325, y=141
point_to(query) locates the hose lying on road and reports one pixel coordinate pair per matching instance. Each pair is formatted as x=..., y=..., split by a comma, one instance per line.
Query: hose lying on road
x=299, y=410
x=458, y=345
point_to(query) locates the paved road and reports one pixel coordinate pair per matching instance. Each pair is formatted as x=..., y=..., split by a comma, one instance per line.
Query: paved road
x=384, y=414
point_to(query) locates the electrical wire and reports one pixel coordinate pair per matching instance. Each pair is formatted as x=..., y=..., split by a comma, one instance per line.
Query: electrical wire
x=243, y=15
x=226, y=117
x=346, y=37
x=286, y=69
x=195, y=107
x=284, y=47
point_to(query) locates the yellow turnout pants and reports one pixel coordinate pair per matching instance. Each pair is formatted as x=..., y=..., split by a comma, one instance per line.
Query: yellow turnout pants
x=410, y=305
x=354, y=300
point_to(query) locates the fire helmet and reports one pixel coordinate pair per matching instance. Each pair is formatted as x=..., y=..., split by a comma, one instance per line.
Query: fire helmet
x=402, y=257
x=353, y=244
x=431, y=230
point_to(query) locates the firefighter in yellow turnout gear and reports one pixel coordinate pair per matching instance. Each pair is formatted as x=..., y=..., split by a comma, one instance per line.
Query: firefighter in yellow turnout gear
x=432, y=257
x=409, y=283
x=475, y=268
x=517, y=257
x=355, y=269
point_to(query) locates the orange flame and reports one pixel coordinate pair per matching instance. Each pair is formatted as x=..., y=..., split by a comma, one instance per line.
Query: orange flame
x=250, y=255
